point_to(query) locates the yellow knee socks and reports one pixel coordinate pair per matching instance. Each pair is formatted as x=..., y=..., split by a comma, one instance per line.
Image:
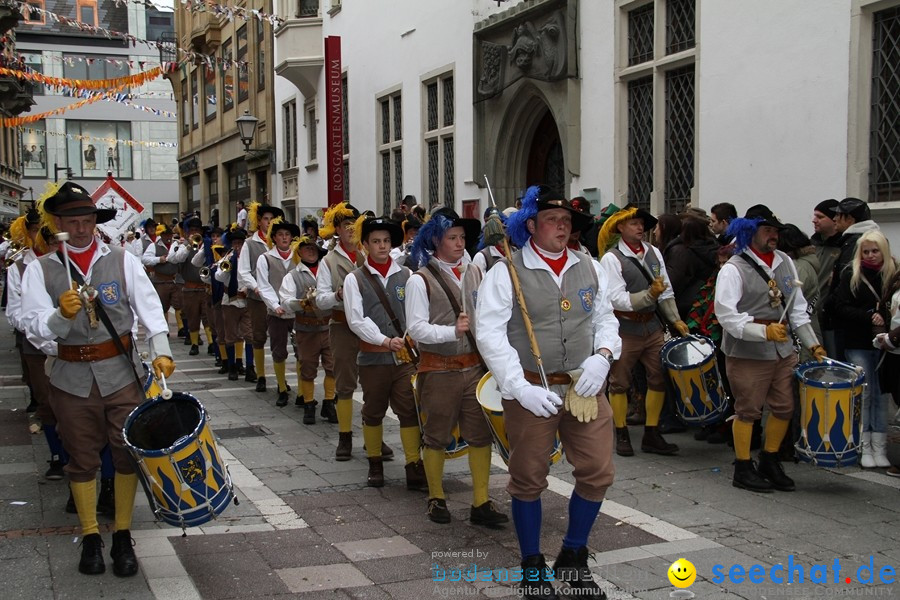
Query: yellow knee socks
x=308, y=389
x=345, y=415
x=179, y=320
x=239, y=351
x=411, y=438
x=480, y=466
x=259, y=361
x=433, y=460
x=280, y=377
x=776, y=429
x=85, y=495
x=299, y=380
x=223, y=353
x=209, y=335
x=329, y=387
x=125, y=488
x=742, y=432
x=619, y=404
x=372, y=436
x=195, y=338
x=654, y=403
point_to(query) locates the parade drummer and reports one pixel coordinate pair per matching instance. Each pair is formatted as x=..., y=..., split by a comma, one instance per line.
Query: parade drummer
x=449, y=367
x=642, y=297
x=94, y=382
x=374, y=297
x=752, y=290
x=575, y=332
x=311, y=341
x=256, y=245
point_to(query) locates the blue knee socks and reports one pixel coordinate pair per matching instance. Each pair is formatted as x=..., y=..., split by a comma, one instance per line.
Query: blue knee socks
x=248, y=355
x=582, y=514
x=527, y=520
x=229, y=350
x=107, y=468
x=55, y=444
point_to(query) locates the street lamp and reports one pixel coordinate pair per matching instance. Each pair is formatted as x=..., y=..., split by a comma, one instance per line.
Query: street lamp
x=57, y=169
x=246, y=125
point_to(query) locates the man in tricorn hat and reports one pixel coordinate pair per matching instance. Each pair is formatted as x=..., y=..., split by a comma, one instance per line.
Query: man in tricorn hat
x=752, y=289
x=576, y=334
x=94, y=384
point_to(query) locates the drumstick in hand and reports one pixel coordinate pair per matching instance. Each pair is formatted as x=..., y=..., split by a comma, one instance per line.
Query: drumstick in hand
x=796, y=287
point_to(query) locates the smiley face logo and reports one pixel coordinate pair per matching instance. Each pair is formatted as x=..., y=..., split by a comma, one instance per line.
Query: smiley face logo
x=682, y=573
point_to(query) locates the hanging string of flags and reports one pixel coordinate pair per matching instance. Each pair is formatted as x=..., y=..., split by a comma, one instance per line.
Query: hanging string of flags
x=229, y=12
x=70, y=60
x=72, y=136
x=16, y=121
x=124, y=99
x=137, y=79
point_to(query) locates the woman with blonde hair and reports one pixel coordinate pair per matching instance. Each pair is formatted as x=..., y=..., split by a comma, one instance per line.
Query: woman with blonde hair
x=859, y=314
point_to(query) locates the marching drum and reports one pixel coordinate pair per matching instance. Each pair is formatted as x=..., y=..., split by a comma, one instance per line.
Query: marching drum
x=458, y=446
x=491, y=403
x=830, y=413
x=178, y=461
x=151, y=386
x=690, y=362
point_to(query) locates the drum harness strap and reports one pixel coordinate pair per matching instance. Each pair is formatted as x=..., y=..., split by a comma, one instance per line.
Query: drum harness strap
x=453, y=304
x=379, y=291
x=646, y=275
x=770, y=281
x=104, y=318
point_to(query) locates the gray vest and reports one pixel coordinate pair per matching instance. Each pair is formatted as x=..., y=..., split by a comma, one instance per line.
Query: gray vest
x=755, y=302
x=27, y=347
x=395, y=290
x=145, y=241
x=565, y=337
x=339, y=266
x=303, y=280
x=111, y=375
x=277, y=273
x=489, y=259
x=166, y=268
x=636, y=282
x=256, y=248
x=440, y=312
x=189, y=271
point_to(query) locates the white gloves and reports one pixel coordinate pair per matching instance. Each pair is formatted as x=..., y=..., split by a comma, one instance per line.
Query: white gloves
x=596, y=368
x=539, y=401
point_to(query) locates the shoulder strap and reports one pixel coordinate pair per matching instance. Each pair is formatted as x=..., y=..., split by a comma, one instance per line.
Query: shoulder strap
x=756, y=267
x=379, y=291
x=451, y=297
x=639, y=266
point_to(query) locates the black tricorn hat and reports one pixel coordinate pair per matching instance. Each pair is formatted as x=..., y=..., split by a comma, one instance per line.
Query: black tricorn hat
x=649, y=220
x=236, y=234
x=192, y=223
x=549, y=198
x=275, y=227
x=265, y=208
x=763, y=212
x=471, y=227
x=382, y=224
x=72, y=200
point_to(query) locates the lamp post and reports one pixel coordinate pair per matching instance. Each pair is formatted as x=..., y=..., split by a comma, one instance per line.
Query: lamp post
x=246, y=125
x=57, y=169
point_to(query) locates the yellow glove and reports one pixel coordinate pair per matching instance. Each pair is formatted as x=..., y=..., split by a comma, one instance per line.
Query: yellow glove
x=657, y=287
x=818, y=352
x=776, y=332
x=583, y=408
x=163, y=365
x=69, y=303
x=682, y=328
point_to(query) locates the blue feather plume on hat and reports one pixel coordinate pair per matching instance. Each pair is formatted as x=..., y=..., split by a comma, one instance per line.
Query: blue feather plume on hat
x=424, y=245
x=516, y=224
x=743, y=231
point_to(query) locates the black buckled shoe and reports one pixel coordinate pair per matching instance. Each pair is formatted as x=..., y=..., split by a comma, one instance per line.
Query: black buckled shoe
x=240, y=368
x=437, y=511
x=261, y=384
x=299, y=401
x=309, y=413
x=770, y=468
x=329, y=413
x=187, y=340
x=571, y=567
x=106, y=501
x=344, y=447
x=282, y=399
x=623, y=442
x=747, y=477
x=211, y=349
x=55, y=470
x=375, y=478
x=654, y=443
x=536, y=578
x=486, y=514
x=194, y=351
x=91, y=562
x=415, y=475
x=249, y=374
x=125, y=563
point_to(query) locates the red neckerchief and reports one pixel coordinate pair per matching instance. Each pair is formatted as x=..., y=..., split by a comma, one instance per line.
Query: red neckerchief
x=637, y=250
x=767, y=258
x=556, y=264
x=261, y=237
x=500, y=249
x=352, y=255
x=382, y=269
x=284, y=255
x=82, y=258
x=153, y=237
x=312, y=267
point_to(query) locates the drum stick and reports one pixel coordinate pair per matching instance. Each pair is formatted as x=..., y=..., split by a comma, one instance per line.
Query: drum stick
x=797, y=285
x=166, y=392
x=462, y=288
x=63, y=237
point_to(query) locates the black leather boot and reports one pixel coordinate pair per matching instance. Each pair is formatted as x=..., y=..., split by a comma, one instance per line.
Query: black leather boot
x=309, y=413
x=654, y=443
x=747, y=477
x=375, y=477
x=329, y=411
x=125, y=563
x=415, y=476
x=536, y=579
x=344, y=447
x=91, y=562
x=770, y=468
x=623, y=442
x=261, y=384
x=571, y=567
x=250, y=375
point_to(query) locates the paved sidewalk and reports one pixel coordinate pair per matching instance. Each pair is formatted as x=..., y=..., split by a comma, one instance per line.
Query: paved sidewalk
x=308, y=527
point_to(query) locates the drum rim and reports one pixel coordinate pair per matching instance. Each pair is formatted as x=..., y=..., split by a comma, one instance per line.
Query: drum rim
x=181, y=442
x=481, y=383
x=670, y=345
x=801, y=369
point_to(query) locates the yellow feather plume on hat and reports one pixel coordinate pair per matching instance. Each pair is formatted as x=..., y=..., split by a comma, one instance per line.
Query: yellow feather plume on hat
x=295, y=247
x=334, y=216
x=356, y=238
x=269, y=241
x=47, y=220
x=252, y=217
x=607, y=236
x=160, y=229
x=18, y=233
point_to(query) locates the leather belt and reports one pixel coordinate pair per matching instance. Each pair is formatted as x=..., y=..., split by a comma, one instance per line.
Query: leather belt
x=311, y=321
x=639, y=317
x=552, y=378
x=192, y=285
x=431, y=361
x=367, y=347
x=338, y=316
x=764, y=321
x=93, y=352
x=162, y=278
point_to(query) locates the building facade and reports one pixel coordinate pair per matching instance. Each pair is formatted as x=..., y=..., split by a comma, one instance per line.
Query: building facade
x=116, y=135
x=234, y=78
x=659, y=102
x=16, y=97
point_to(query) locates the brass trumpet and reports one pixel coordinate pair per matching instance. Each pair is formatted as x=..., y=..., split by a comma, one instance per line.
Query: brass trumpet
x=196, y=241
x=14, y=252
x=204, y=271
x=7, y=236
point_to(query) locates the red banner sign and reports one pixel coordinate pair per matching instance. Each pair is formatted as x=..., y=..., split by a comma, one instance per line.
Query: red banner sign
x=334, y=119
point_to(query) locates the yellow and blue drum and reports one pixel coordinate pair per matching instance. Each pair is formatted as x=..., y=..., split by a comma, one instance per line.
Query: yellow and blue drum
x=830, y=413
x=178, y=461
x=690, y=362
x=151, y=386
x=458, y=446
x=491, y=402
